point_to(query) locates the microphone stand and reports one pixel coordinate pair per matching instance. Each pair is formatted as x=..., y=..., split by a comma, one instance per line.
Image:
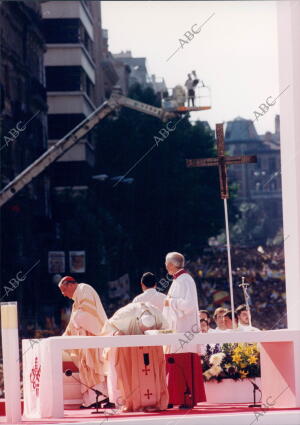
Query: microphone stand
x=69, y=372
x=255, y=387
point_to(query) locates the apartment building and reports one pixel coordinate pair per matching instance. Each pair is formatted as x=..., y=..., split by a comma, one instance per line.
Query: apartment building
x=74, y=80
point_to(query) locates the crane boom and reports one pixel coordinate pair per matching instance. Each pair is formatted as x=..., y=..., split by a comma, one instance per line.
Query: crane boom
x=63, y=145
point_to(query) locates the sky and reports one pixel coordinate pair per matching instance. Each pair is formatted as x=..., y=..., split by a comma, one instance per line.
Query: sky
x=235, y=52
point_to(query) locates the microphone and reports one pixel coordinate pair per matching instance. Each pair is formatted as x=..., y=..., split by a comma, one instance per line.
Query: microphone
x=254, y=385
x=69, y=372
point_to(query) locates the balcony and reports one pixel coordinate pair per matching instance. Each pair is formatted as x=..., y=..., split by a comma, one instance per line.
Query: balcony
x=70, y=103
x=70, y=55
x=67, y=10
x=83, y=151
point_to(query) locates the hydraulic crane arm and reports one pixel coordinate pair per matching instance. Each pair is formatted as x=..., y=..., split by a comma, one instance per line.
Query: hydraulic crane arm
x=120, y=100
x=70, y=139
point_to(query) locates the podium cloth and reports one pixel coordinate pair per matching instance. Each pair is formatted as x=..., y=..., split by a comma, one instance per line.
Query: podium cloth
x=185, y=379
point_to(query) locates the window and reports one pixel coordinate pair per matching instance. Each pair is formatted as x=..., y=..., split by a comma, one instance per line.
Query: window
x=272, y=165
x=60, y=124
x=61, y=30
x=63, y=78
x=87, y=86
x=85, y=39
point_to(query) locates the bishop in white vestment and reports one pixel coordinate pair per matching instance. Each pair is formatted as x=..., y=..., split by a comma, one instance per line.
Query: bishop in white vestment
x=150, y=294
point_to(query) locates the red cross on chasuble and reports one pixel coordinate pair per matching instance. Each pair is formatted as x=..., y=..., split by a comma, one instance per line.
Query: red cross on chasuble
x=147, y=377
x=141, y=373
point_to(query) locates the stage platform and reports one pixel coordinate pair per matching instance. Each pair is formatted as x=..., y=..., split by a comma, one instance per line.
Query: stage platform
x=202, y=414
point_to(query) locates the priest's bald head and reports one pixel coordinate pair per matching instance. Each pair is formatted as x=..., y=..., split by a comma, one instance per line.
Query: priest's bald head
x=67, y=286
x=174, y=262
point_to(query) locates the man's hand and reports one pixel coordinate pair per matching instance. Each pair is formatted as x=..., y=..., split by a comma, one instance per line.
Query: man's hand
x=167, y=302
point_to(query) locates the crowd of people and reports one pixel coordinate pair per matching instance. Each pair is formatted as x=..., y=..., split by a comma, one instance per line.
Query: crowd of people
x=263, y=269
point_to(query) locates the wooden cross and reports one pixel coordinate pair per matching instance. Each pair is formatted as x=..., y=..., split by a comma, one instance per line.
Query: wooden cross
x=221, y=161
x=148, y=394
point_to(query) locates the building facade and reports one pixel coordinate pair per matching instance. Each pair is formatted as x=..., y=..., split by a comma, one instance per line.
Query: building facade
x=23, y=122
x=74, y=80
x=138, y=68
x=258, y=183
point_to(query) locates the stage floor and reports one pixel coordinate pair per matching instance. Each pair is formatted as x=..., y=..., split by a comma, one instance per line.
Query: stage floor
x=202, y=414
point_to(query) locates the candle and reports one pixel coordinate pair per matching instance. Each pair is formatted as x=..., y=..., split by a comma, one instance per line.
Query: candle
x=9, y=316
x=11, y=371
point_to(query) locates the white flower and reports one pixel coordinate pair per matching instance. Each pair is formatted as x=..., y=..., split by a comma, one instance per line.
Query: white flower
x=216, y=359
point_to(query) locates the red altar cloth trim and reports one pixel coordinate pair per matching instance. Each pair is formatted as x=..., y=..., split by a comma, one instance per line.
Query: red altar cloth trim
x=185, y=379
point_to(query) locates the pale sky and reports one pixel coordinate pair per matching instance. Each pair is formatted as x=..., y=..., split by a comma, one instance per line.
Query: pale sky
x=235, y=53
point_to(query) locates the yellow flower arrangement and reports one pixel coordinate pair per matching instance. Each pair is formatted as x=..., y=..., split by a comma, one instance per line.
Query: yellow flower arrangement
x=252, y=360
x=238, y=361
x=249, y=351
x=236, y=358
x=243, y=374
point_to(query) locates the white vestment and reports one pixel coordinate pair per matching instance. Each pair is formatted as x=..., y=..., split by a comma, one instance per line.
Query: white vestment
x=183, y=312
x=124, y=322
x=153, y=297
x=87, y=318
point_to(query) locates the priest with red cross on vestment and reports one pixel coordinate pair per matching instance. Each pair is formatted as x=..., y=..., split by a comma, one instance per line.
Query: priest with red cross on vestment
x=184, y=371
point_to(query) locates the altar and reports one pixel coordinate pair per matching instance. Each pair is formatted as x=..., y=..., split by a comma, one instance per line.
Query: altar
x=43, y=378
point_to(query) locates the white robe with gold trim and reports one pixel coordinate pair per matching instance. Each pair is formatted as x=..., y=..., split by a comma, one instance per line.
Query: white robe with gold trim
x=87, y=318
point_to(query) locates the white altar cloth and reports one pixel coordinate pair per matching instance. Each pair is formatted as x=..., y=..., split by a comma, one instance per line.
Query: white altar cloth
x=280, y=368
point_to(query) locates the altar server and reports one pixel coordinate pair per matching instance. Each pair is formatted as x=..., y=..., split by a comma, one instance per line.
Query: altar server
x=243, y=317
x=87, y=318
x=150, y=294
